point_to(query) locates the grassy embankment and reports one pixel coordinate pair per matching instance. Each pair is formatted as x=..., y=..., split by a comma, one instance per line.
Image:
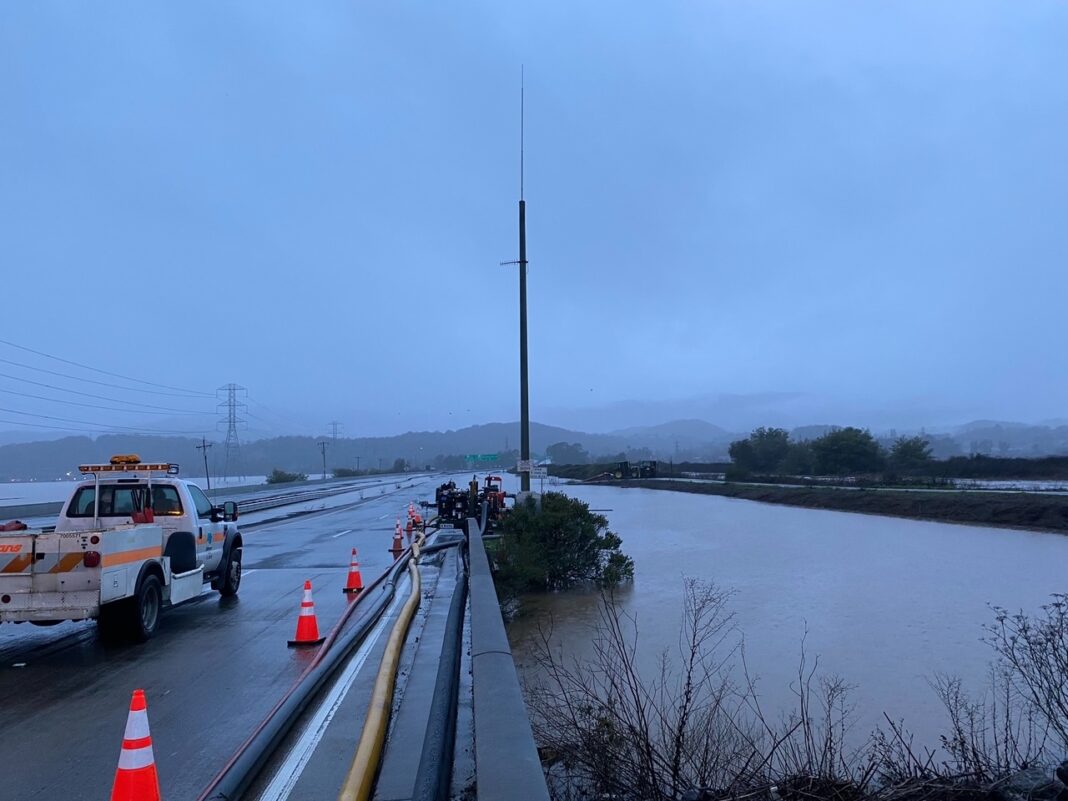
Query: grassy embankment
x=1040, y=511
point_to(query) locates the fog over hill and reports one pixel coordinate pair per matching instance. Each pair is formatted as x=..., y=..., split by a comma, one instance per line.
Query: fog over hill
x=680, y=440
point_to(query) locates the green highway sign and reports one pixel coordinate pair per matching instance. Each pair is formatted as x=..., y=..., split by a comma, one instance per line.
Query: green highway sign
x=481, y=457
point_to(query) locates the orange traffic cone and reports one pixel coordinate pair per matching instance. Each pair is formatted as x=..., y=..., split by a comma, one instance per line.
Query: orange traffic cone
x=398, y=543
x=411, y=510
x=136, y=778
x=408, y=530
x=307, y=627
x=355, y=582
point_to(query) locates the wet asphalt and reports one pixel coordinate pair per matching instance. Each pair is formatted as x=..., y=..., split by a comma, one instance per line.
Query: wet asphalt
x=211, y=673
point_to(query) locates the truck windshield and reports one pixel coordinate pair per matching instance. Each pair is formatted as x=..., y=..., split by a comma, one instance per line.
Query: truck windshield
x=123, y=500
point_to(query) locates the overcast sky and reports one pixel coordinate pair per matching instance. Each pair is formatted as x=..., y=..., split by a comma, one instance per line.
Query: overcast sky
x=861, y=205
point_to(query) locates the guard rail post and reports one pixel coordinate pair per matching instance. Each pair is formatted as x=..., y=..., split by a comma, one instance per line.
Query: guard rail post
x=506, y=758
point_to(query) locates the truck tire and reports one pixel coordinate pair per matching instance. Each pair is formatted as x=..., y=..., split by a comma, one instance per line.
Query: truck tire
x=144, y=608
x=230, y=579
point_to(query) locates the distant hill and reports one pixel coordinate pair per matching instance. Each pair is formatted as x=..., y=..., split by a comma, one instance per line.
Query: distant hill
x=689, y=440
x=56, y=458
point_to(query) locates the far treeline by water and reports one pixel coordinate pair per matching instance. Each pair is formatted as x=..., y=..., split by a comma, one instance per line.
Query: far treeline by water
x=773, y=454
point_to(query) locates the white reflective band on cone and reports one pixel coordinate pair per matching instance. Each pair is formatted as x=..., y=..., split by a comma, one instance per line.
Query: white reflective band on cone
x=136, y=758
x=137, y=725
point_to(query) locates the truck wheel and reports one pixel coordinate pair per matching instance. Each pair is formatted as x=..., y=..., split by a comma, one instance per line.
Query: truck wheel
x=231, y=574
x=144, y=609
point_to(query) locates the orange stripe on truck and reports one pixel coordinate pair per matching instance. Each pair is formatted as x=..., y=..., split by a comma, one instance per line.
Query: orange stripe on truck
x=18, y=564
x=67, y=563
x=136, y=555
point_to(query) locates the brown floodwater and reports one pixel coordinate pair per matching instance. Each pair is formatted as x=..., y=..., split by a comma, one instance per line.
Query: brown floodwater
x=887, y=603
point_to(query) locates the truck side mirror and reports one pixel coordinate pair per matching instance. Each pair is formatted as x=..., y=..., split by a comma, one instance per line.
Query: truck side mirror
x=216, y=514
x=229, y=511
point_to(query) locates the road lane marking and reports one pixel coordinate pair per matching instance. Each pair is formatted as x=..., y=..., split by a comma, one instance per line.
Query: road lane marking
x=342, y=533
x=289, y=772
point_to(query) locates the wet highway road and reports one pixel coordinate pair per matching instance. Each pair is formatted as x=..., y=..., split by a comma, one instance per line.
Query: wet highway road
x=211, y=673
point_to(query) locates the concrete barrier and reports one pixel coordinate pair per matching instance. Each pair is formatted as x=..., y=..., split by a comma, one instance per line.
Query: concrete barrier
x=30, y=510
x=506, y=758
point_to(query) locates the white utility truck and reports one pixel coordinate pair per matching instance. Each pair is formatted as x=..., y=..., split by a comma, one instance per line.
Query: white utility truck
x=130, y=541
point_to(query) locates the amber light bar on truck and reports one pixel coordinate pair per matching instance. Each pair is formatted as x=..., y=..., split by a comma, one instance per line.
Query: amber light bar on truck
x=161, y=467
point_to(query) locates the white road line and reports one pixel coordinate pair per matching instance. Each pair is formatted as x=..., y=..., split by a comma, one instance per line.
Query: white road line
x=248, y=572
x=342, y=533
x=288, y=773
x=380, y=517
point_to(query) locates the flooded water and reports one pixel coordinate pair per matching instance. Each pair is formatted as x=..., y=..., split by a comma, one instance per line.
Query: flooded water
x=887, y=603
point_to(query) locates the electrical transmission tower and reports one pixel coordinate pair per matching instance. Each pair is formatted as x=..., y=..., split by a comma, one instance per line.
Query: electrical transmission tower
x=335, y=426
x=231, y=407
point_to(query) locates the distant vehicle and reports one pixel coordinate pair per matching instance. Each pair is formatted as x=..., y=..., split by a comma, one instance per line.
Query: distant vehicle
x=129, y=542
x=643, y=469
x=494, y=495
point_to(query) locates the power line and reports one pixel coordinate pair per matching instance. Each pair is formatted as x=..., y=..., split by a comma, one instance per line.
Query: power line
x=98, y=370
x=98, y=397
x=53, y=428
x=281, y=417
x=90, y=405
x=110, y=384
x=24, y=424
x=93, y=423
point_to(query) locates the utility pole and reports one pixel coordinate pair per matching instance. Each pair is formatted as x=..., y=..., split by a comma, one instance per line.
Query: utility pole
x=232, y=407
x=357, y=464
x=524, y=402
x=322, y=447
x=203, y=446
x=335, y=426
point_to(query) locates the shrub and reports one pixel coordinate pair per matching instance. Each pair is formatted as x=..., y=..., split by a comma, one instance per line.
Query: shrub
x=282, y=477
x=555, y=545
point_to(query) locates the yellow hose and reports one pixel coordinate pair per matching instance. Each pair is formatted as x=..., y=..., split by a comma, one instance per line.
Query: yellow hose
x=360, y=779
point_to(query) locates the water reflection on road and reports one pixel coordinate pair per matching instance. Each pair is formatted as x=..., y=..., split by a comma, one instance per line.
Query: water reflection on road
x=887, y=603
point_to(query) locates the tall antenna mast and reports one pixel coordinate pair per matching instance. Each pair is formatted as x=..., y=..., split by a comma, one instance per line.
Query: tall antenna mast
x=524, y=401
x=522, y=125
x=524, y=404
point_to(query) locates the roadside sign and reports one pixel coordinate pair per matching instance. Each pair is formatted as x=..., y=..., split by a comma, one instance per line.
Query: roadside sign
x=524, y=465
x=539, y=472
x=482, y=457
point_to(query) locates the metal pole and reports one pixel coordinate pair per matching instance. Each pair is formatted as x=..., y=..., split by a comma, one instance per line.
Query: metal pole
x=524, y=402
x=203, y=446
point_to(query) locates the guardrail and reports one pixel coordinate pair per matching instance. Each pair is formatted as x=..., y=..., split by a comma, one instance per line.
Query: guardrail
x=52, y=509
x=506, y=758
x=285, y=499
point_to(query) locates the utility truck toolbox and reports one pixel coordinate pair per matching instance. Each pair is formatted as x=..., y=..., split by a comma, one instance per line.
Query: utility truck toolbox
x=129, y=542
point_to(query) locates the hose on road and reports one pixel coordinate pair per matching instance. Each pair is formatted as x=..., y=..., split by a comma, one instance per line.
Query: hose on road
x=361, y=776
x=238, y=774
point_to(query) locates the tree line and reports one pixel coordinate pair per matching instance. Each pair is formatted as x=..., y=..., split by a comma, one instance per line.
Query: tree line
x=839, y=452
